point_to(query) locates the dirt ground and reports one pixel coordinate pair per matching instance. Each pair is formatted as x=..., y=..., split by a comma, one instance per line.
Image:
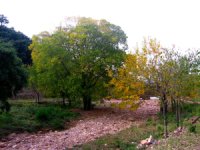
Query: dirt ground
x=91, y=125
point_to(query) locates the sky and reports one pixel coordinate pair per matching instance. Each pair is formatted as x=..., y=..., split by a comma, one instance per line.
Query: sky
x=172, y=22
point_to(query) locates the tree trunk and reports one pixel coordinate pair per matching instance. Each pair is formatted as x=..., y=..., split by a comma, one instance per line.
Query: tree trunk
x=14, y=95
x=177, y=114
x=164, y=103
x=173, y=105
x=63, y=101
x=87, y=102
x=70, y=102
x=37, y=98
x=37, y=94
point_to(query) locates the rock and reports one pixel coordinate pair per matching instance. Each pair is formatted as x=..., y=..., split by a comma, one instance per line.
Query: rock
x=150, y=140
x=179, y=129
x=3, y=140
x=14, y=146
x=39, y=132
x=2, y=145
x=133, y=142
x=13, y=134
x=175, y=132
x=144, y=142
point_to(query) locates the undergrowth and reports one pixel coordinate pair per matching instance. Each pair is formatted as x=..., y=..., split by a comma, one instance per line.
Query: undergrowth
x=31, y=117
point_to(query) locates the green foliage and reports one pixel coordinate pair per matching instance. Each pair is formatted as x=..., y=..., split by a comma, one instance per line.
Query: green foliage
x=159, y=129
x=189, y=111
x=6, y=118
x=192, y=128
x=12, y=73
x=185, y=141
x=118, y=143
x=44, y=114
x=129, y=138
x=126, y=139
x=19, y=41
x=4, y=106
x=3, y=20
x=51, y=112
x=73, y=62
x=172, y=76
x=27, y=116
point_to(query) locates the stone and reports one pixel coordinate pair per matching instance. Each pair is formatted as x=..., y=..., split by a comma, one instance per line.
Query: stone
x=150, y=140
x=144, y=142
x=2, y=145
x=13, y=134
x=14, y=146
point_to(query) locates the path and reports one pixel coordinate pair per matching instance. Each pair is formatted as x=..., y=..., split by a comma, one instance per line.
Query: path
x=96, y=123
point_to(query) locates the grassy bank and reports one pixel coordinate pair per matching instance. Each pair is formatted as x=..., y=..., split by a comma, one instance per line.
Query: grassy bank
x=129, y=138
x=186, y=141
x=26, y=115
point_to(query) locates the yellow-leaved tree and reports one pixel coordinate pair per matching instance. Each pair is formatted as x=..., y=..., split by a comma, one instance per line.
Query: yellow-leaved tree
x=126, y=84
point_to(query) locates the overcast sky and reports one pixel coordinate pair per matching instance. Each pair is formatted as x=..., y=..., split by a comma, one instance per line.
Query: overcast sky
x=172, y=22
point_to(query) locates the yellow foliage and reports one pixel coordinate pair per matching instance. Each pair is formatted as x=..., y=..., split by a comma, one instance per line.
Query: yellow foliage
x=125, y=84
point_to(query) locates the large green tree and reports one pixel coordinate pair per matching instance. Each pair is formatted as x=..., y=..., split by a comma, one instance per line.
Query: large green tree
x=18, y=39
x=79, y=57
x=12, y=73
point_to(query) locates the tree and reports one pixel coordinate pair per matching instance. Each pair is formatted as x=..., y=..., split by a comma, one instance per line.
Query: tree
x=51, y=71
x=19, y=41
x=3, y=20
x=79, y=57
x=185, y=82
x=157, y=72
x=12, y=73
x=100, y=47
x=173, y=76
x=126, y=83
x=33, y=79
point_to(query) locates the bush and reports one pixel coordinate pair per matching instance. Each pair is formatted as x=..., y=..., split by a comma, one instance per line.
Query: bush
x=123, y=145
x=28, y=116
x=192, y=128
x=5, y=119
x=4, y=106
x=53, y=116
x=58, y=124
x=44, y=114
x=159, y=129
x=149, y=121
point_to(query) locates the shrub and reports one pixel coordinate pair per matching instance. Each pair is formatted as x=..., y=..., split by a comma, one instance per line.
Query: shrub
x=118, y=143
x=159, y=129
x=44, y=114
x=192, y=128
x=57, y=124
x=5, y=118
